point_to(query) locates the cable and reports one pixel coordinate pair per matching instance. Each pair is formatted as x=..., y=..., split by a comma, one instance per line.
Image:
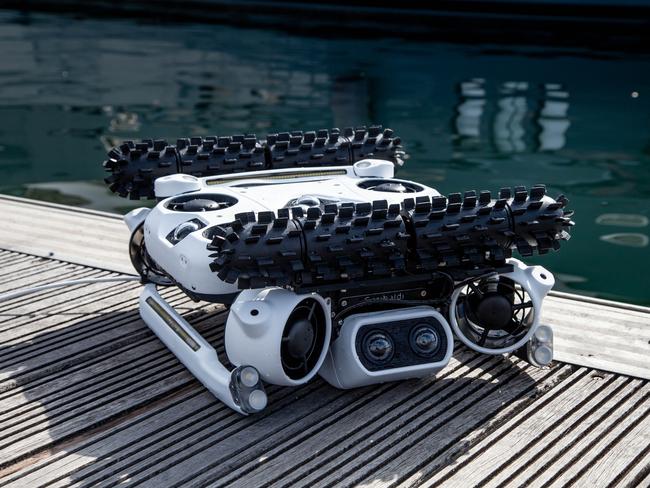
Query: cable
x=27, y=291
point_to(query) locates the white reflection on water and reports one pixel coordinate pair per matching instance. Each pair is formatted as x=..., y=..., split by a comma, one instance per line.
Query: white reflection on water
x=470, y=109
x=628, y=239
x=623, y=220
x=553, y=119
x=519, y=119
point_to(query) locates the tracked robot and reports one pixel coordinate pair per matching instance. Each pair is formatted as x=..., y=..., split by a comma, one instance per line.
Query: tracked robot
x=329, y=264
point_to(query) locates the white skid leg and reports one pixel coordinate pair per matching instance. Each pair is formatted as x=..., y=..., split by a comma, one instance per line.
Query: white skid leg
x=193, y=350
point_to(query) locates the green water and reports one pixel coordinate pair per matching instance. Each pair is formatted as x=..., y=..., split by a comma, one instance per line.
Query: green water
x=471, y=116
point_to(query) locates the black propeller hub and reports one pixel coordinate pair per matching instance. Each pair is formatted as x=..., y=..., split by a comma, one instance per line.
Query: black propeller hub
x=494, y=311
x=300, y=338
x=200, y=204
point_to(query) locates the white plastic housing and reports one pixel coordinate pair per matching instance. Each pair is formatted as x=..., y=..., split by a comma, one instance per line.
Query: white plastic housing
x=135, y=217
x=343, y=368
x=377, y=168
x=537, y=281
x=167, y=186
x=254, y=331
x=187, y=345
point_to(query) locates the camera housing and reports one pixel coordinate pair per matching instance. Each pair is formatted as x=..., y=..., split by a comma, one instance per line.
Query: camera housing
x=350, y=362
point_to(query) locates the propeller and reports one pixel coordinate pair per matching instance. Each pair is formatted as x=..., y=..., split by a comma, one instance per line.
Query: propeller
x=496, y=312
x=200, y=203
x=302, y=339
x=392, y=186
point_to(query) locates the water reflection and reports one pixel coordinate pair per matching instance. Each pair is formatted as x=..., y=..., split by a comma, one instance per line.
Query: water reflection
x=522, y=120
x=470, y=110
x=553, y=118
x=628, y=239
x=622, y=220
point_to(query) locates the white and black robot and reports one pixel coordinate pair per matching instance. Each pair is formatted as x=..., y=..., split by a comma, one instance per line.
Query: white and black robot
x=330, y=265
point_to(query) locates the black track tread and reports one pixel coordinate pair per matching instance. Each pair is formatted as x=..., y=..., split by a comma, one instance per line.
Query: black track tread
x=210, y=156
x=134, y=166
x=474, y=229
x=539, y=224
x=362, y=241
x=377, y=143
x=457, y=230
x=308, y=149
x=257, y=250
x=344, y=243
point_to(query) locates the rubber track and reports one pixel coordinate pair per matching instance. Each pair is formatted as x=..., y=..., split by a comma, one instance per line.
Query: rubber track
x=363, y=241
x=135, y=166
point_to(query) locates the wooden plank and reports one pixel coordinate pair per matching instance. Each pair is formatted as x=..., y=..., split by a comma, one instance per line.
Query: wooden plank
x=638, y=473
x=434, y=470
x=218, y=455
x=604, y=337
x=79, y=236
x=167, y=425
x=20, y=266
x=289, y=458
x=33, y=406
x=34, y=418
x=312, y=434
x=34, y=275
x=432, y=427
x=605, y=454
x=545, y=428
x=294, y=457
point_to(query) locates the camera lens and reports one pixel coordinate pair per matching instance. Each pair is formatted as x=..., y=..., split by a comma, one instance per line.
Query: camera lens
x=378, y=347
x=184, y=230
x=425, y=340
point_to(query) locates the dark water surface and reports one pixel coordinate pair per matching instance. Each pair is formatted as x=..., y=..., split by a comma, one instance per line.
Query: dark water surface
x=471, y=116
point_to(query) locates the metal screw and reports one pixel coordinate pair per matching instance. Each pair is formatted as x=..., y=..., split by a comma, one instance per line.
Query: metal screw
x=344, y=303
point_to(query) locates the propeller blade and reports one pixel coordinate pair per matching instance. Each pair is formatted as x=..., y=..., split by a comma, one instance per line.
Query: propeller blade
x=476, y=290
x=522, y=305
x=311, y=311
x=484, y=337
x=469, y=310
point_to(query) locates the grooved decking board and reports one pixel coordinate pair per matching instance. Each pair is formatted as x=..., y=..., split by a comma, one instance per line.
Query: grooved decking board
x=79, y=236
x=77, y=371
x=569, y=413
x=88, y=396
x=600, y=336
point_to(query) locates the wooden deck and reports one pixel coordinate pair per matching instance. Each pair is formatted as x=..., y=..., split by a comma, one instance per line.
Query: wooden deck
x=88, y=396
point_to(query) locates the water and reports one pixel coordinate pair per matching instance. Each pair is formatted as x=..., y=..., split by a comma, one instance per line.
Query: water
x=472, y=117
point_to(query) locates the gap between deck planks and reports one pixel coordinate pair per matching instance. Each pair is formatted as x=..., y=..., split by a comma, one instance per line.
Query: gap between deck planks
x=589, y=332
